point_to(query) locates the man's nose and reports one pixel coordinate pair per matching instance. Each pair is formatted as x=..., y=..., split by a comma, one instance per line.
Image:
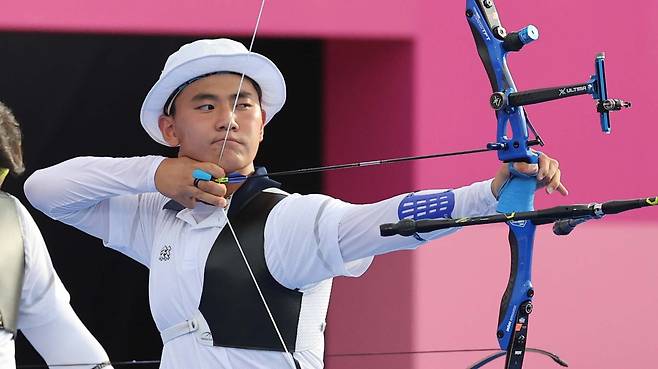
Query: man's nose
x=226, y=120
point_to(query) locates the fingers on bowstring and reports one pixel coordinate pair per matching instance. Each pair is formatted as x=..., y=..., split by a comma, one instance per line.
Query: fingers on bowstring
x=212, y=188
x=188, y=201
x=210, y=199
x=213, y=169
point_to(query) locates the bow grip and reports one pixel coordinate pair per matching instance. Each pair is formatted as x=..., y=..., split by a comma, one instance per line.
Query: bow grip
x=516, y=304
x=518, y=193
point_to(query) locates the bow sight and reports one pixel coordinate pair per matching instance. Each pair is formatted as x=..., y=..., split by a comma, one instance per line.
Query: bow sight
x=595, y=86
x=493, y=43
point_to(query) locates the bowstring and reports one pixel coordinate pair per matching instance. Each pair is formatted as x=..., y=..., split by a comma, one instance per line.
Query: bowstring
x=289, y=356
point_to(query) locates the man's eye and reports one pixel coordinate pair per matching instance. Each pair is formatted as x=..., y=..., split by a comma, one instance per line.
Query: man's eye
x=206, y=107
x=244, y=105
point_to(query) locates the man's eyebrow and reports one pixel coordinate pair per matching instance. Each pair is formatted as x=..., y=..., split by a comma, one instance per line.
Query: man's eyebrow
x=210, y=96
x=243, y=94
x=205, y=96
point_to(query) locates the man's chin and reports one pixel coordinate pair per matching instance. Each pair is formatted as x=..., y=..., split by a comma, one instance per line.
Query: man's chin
x=228, y=158
x=232, y=166
x=230, y=161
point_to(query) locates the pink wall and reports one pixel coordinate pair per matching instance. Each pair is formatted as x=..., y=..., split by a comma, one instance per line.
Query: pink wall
x=420, y=88
x=587, y=285
x=314, y=18
x=369, y=115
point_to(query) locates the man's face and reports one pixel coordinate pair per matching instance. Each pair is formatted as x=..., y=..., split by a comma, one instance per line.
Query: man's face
x=202, y=117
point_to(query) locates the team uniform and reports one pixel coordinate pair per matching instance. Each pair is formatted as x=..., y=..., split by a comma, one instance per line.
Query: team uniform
x=44, y=314
x=303, y=240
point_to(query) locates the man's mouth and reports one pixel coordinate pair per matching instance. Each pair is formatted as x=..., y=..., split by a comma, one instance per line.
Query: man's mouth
x=221, y=141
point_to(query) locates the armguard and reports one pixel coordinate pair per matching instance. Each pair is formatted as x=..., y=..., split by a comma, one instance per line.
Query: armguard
x=434, y=205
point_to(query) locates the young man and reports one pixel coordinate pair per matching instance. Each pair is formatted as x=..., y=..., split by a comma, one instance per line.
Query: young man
x=194, y=236
x=32, y=298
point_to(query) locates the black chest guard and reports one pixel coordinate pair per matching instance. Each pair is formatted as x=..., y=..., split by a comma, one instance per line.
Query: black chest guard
x=230, y=303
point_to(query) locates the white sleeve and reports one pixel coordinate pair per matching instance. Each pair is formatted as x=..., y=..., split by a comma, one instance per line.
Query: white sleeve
x=43, y=295
x=109, y=198
x=359, y=230
x=301, y=241
x=474, y=200
x=7, y=350
x=314, y=237
x=45, y=315
x=65, y=340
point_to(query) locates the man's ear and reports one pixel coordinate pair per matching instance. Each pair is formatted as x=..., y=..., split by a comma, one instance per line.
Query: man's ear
x=166, y=125
x=262, y=125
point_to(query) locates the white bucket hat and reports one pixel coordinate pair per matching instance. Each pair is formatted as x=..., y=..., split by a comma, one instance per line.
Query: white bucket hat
x=203, y=57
